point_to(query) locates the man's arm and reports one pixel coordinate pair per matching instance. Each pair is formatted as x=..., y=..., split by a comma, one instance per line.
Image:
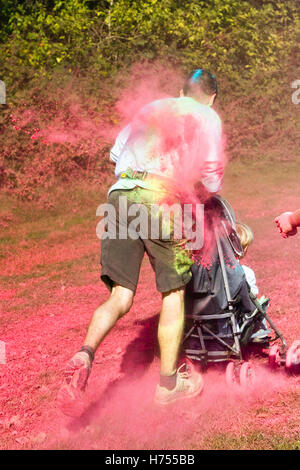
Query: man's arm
x=120, y=143
x=213, y=168
x=288, y=222
x=295, y=218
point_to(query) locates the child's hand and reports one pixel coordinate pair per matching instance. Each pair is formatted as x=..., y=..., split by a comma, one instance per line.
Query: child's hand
x=284, y=225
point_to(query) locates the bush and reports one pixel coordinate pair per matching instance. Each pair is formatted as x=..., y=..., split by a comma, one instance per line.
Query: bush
x=66, y=63
x=51, y=136
x=228, y=36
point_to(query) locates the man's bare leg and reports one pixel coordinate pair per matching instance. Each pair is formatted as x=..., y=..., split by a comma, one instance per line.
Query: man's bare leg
x=78, y=368
x=173, y=384
x=170, y=329
x=107, y=315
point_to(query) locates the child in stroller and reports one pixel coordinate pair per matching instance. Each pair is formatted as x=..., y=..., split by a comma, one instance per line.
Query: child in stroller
x=223, y=316
x=246, y=237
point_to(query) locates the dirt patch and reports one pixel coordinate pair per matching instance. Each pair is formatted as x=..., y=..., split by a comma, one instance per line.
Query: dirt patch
x=44, y=319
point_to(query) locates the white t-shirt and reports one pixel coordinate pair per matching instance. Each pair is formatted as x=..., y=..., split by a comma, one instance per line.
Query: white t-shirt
x=172, y=137
x=251, y=279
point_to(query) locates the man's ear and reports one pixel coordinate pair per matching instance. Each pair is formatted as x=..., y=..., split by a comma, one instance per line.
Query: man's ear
x=212, y=99
x=181, y=93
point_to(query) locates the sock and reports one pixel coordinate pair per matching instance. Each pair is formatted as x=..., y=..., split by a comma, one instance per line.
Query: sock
x=168, y=381
x=89, y=351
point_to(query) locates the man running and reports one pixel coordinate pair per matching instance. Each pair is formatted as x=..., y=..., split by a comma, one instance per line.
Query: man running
x=170, y=145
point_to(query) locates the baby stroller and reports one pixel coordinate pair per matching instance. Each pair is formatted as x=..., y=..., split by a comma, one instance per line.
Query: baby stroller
x=223, y=317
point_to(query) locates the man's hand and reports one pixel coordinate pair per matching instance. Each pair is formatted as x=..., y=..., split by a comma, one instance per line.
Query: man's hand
x=285, y=225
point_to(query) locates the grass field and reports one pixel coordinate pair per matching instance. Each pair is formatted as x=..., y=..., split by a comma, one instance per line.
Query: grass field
x=49, y=288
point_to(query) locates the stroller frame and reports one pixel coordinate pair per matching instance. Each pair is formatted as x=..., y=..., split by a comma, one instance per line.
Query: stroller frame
x=203, y=333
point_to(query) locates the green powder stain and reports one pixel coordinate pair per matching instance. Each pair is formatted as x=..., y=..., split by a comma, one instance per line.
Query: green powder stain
x=182, y=261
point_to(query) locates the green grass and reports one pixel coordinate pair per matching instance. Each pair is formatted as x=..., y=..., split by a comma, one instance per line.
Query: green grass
x=29, y=225
x=250, y=441
x=70, y=206
x=74, y=209
x=265, y=176
x=6, y=240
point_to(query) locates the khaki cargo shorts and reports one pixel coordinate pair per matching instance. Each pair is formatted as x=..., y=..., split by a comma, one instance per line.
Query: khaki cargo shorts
x=121, y=258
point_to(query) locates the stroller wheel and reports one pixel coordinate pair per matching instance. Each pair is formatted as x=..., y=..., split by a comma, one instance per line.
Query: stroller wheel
x=232, y=374
x=274, y=357
x=247, y=374
x=292, y=362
